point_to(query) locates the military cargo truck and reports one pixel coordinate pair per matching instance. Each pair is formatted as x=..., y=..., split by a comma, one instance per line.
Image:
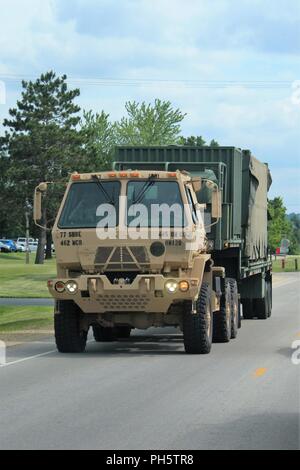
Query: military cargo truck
x=132, y=252
x=239, y=240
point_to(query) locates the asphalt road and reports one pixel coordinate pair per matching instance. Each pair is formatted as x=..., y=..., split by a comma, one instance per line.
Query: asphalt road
x=146, y=393
x=26, y=302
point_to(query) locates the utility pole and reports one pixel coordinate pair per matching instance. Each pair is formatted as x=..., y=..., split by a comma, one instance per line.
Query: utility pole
x=27, y=214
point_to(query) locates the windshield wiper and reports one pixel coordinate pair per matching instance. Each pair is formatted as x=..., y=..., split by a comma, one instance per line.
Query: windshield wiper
x=100, y=186
x=143, y=191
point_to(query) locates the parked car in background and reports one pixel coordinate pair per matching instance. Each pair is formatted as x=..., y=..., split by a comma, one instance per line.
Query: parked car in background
x=20, y=248
x=22, y=241
x=32, y=243
x=4, y=248
x=10, y=243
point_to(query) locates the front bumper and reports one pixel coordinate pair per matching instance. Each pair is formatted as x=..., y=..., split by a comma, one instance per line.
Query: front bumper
x=147, y=293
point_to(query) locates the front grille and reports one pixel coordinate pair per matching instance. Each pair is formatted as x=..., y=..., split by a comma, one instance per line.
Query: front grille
x=119, y=303
x=133, y=258
x=102, y=255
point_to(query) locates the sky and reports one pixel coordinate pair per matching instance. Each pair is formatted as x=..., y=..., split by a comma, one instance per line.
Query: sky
x=233, y=66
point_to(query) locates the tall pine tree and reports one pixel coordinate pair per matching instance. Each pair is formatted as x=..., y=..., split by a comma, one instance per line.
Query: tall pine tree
x=42, y=143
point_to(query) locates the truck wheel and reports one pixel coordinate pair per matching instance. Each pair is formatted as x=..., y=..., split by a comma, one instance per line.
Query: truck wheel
x=240, y=315
x=197, y=327
x=248, y=313
x=261, y=308
x=235, y=319
x=223, y=318
x=68, y=335
x=103, y=335
x=123, y=332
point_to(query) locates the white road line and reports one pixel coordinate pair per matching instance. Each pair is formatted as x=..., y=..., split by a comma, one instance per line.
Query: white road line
x=34, y=357
x=28, y=358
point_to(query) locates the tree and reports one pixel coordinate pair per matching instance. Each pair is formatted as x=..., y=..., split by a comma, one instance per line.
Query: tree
x=99, y=137
x=42, y=142
x=10, y=218
x=192, y=141
x=147, y=124
x=294, y=220
x=279, y=226
x=196, y=141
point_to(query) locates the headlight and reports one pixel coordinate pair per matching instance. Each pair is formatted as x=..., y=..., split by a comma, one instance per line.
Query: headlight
x=60, y=287
x=184, y=286
x=71, y=287
x=171, y=286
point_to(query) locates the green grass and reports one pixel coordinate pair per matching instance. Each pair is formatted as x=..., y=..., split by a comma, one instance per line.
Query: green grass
x=14, y=319
x=289, y=264
x=20, y=280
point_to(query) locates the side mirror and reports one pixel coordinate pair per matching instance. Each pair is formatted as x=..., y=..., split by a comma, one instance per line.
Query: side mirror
x=37, y=205
x=216, y=209
x=42, y=187
x=197, y=184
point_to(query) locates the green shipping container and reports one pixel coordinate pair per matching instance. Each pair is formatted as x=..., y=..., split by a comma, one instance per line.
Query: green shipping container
x=244, y=182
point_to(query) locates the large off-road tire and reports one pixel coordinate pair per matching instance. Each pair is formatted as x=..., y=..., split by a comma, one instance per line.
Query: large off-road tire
x=197, y=327
x=104, y=335
x=123, y=332
x=69, y=337
x=261, y=308
x=235, y=313
x=223, y=317
x=248, y=309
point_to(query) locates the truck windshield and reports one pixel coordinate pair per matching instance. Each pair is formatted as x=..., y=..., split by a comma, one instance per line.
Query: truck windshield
x=86, y=200
x=154, y=204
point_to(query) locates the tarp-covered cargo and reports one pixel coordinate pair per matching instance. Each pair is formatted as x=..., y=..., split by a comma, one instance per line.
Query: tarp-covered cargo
x=256, y=182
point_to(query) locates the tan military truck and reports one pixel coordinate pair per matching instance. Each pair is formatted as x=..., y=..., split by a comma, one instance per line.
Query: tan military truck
x=132, y=252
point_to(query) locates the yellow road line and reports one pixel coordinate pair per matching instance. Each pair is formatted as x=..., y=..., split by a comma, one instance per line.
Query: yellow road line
x=260, y=372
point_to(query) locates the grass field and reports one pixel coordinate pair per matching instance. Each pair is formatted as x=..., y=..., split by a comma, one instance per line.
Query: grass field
x=30, y=281
x=289, y=264
x=20, y=280
x=14, y=319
